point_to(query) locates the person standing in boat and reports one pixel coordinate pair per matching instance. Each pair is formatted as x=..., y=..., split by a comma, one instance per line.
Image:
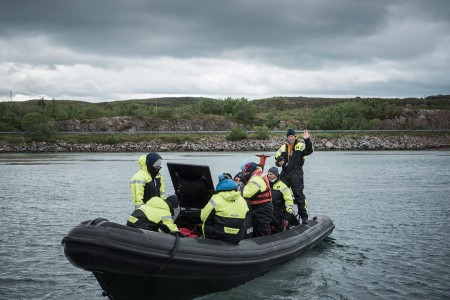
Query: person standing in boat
x=147, y=182
x=283, y=203
x=291, y=157
x=156, y=215
x=224, y=215
x=257, y=193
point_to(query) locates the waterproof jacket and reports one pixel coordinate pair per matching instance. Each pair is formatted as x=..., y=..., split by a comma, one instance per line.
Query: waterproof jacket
x=257, y=189
x=281, y=196
x=143, y=186
x=223, y=217
x=294, y=162
x=155, y=215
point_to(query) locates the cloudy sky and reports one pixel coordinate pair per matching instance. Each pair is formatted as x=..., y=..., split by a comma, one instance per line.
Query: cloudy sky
x=104, y=50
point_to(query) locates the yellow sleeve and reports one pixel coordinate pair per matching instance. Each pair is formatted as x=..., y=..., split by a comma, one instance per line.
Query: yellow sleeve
x=279, y=152
x=288, y=200
x=168, y=221
x=250, y=189
x=137, y=192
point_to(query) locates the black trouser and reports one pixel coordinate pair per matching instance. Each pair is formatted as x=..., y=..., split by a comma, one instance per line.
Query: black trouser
x=261, y=217
x=279, y=215
x=294, y=180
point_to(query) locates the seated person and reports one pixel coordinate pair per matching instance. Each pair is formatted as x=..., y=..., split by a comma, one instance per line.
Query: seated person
x=156, y=215
x=224, y=215
x=283, y=203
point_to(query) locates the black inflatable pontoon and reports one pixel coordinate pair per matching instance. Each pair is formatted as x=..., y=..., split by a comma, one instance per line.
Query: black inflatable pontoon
x=130, y=263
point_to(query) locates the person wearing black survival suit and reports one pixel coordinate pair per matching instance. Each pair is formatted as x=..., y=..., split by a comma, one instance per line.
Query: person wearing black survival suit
x=282, y=200
x=291, y=157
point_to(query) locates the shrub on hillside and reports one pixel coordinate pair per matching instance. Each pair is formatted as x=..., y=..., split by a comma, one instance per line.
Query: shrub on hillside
x=38, y=125
x=262, y=132
x=244, y=111
x=236, y=134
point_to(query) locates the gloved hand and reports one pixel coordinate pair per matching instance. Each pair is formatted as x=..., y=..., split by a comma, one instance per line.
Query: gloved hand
x=227, y=176
x=239, y=177
x=224, y=176
x=285, y=224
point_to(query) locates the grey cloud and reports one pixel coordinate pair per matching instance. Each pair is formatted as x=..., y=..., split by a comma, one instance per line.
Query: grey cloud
x=188, y=28
x=291, y=36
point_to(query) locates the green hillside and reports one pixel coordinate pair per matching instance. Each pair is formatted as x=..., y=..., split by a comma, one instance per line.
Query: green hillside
x=273, y=113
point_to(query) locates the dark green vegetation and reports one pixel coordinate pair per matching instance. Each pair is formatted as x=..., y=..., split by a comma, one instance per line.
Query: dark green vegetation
x=262, y=115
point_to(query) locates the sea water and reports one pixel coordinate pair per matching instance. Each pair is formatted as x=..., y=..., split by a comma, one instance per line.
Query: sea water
x=390, y=208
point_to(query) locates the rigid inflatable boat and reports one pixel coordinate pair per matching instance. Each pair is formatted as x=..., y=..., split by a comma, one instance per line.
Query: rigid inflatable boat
x=131, y=263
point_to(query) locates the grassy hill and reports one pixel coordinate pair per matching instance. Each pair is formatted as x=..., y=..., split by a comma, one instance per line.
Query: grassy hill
x=273, y=113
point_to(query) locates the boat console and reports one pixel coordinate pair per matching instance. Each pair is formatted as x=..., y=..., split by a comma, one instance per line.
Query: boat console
x=193, y=187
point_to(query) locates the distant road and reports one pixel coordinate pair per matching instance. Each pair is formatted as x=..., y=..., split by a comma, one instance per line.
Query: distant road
x=220, y=131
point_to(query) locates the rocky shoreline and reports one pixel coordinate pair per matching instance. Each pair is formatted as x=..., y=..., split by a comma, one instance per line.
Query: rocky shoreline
x=219, y=143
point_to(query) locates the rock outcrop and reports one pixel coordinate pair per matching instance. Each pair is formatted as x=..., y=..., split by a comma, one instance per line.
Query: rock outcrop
x=133, y=124
x=418, y=118
x=408, y=119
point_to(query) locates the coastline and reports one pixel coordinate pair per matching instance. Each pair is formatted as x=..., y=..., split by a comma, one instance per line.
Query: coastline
x=218, y=143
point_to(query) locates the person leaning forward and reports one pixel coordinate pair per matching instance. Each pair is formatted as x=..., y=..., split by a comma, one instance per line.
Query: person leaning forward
x=147, y=182
x=156, y=215
x=257, y=192
x=291, y=157
x=224, y=215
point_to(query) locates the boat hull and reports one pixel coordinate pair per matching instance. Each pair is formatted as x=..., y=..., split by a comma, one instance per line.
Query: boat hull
x=131, y=263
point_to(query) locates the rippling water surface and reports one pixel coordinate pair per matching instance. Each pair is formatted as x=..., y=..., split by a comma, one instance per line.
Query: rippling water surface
x=391, y=212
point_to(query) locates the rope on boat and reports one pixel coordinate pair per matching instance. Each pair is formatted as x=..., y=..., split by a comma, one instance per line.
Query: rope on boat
x=172, y=254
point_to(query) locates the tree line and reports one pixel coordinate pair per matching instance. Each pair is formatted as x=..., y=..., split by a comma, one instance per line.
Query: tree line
x=273, y=113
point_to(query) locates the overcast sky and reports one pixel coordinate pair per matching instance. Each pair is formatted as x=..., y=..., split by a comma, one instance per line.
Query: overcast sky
x=104, y=50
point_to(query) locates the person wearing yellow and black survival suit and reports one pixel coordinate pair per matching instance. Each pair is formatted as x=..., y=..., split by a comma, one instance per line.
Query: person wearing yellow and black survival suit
x=224, y=215
x=156, y=215
x=147, y=182
x=257, y=193
x=283, y=203
x=291, y=157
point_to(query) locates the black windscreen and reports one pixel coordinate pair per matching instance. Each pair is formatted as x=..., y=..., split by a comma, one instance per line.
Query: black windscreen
x=193, y=184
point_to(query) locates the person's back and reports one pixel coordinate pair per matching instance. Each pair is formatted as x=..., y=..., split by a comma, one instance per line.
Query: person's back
x=224, y=215
x=156, y=215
